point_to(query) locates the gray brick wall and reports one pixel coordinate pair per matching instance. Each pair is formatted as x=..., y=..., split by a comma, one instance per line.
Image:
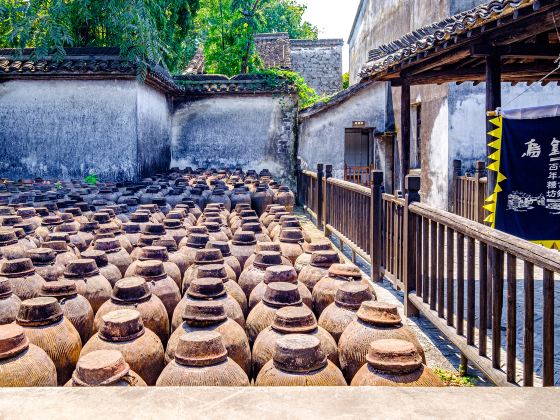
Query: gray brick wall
x=319, y=62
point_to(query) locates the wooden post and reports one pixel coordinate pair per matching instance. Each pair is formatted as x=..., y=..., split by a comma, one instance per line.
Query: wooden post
x=320, y=196
x=454, y=204
x=298, y=182
x=376, y=224
x=405, y=131
x=493, y=101
x=410, y=253
x=326, y=190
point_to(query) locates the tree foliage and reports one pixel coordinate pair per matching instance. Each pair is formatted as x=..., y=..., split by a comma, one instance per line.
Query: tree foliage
x=158, y=31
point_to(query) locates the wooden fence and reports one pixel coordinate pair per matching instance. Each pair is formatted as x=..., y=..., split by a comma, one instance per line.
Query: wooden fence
x=469, y=192
x=360, y=175
x=470, y=281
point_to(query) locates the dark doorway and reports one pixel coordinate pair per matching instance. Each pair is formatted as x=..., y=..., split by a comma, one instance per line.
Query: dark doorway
x=359, y=155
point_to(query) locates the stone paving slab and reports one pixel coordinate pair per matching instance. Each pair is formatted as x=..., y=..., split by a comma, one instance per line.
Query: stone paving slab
x=310, y=403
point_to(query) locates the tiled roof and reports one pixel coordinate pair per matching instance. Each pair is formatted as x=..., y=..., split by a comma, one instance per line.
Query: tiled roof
x=240, y=84
x=430, y=36
x=196, y=66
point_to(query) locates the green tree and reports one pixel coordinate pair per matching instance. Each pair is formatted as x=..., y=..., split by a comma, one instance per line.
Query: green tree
x=346, y=80
x=287, y=16
x=158, y=31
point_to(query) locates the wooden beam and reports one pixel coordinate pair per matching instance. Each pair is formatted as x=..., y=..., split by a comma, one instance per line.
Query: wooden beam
x=534, y=51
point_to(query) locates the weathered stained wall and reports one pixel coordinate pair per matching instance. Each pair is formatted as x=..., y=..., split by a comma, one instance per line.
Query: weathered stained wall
x=118, y=130
x=321, y=135
x=66, y=128
x=319, y=62
x=254, y=132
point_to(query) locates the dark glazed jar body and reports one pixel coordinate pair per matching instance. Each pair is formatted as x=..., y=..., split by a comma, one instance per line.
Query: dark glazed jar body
x=123, y=330
x=45, y=326
x=243, y=246
x=23, y=364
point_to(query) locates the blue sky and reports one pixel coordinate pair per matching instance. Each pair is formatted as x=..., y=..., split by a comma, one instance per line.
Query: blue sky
x=334, y=19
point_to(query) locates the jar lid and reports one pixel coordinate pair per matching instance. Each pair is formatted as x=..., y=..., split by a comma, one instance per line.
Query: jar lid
x=244, y=238
x=252, y=227
x=5, y=288
x=289, y=223
x=278, y=295
x=58, y=237
x=41, y=256
x=152, y=208
x=39, y=311
x=153, y=253
x=208, y=256
x=172, y=223
x=89, y=226
x=121, y=325
x=109, y=245
x=217, y=271
x=351, y=295
x=312, y=247
x=59, y=289
x=197, y=240
x=221, y=245
x=57, y=246
x=268, y=246
x=130, y=291
x=20, y=267
x=379, y=313
x=204, y=312
x=294, y=319
x=247, y=213
x=348, y=271
x=26, y=212
x=201, y=348
x=167, y=242
x=324, y=259
x=212, y=226
x=291, y=236
x=150, y=270
x=154, y=229
x=131, y=227
x=394, y=356
x=74, y=211
x=280, y=273
x=264, y=259
x=101, y=217
x=69, y=228
x=7, y=237
x=278, y=215
x=100, y=368
x=146, y=240
x=100, y=257
x=13, y=341
x=206, y=288
x=275, y=208
x=298, y=353
x=138, y=217
x=82, y=268
x=203, y=230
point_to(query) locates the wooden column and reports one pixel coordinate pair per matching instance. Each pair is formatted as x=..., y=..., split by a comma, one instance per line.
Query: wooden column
x=320, y=167
x=493, y=101
x=376, y=225
x=405, y=132
x=410, y=252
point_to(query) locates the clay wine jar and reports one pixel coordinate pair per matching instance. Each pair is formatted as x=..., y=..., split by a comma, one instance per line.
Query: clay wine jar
x=64, y=253
x=339, y=314
x=173, y=254
x=193, y=243
x=104, y=368
x=45, y=326
x=276, y=296
x=218, y=271
x=75, y=307
x=376, y=321
x=276, y=274
x=208, y=315
x=257, y=229
x=89, y=282
x=308, y=249
x=207, y=256
x=9, y=303
x=158, y=253
x=123, y=330
x=161, y=285
x=229, y=259
x=175, y=229
x=285, y=197
x=254, y=274
x=201, y=359
x=23, y=364
x=392, y=362
x=325, y=290
x=243, y=246
x=291, y=320
x=10, y=248
x=299, y=361
x=291, y=241
x=208, y=289
x=26, y=283
x=266, y=246
x=135, y=293
x=106, y=269
x=318, y=267
x=44, y=261
x=116, y=254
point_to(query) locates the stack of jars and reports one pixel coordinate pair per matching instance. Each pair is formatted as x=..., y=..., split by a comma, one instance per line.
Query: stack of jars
x=190, y=278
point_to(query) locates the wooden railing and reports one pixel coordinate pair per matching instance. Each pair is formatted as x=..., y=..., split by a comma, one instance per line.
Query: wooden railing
x=469, y=192
x=360, y=175
x=491, y=294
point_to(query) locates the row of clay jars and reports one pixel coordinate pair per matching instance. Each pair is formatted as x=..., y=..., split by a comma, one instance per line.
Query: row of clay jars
x=318, y=267
x=207, y=256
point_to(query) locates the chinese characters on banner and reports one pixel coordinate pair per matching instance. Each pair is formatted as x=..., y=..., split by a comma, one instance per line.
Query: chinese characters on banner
x=526, y=201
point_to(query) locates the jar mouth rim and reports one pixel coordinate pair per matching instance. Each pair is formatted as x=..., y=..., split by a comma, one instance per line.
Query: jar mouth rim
x=140, y=299
x=291, y=368
x=25, y=273
x=202, y=361
x=111, y=380
x=119, y=339
x=19, y=348
x=53, y=319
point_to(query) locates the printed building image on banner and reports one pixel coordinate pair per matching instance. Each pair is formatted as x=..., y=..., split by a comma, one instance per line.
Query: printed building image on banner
x=526, y=200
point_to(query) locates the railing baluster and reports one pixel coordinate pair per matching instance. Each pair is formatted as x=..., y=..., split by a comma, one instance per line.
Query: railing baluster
x=460, y=282
x=470, y=290
x=511, y=338
x=529, y=324
x=433, y=265
x=450, y=301
x=425, y=260
x=497, y=304
x=548, y=328
x=483, y=297
x=440, y=271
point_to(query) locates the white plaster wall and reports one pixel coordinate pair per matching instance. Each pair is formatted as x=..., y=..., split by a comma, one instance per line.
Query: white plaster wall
x=438, y=153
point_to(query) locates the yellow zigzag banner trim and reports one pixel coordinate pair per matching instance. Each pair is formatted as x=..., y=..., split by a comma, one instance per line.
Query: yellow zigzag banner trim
x=495, y=166
x=548, y=244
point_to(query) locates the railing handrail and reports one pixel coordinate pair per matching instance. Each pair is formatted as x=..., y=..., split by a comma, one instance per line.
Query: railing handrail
x=393, y=199
x=350, y=185
x=310, y=173
x=521, y=248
